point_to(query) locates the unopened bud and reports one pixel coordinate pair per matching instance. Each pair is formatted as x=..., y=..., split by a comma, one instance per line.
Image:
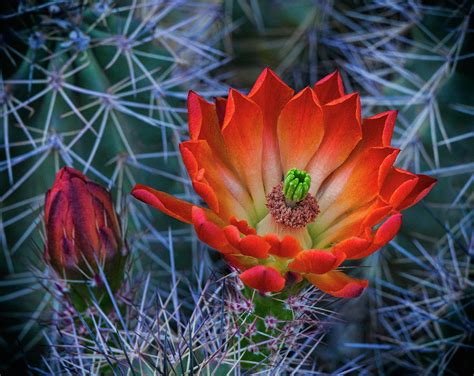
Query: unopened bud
x=82, y=230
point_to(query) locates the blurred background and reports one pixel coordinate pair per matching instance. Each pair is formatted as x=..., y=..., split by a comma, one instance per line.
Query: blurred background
x=101, y=86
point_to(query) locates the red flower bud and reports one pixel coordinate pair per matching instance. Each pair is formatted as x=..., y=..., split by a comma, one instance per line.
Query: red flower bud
x=82, y=229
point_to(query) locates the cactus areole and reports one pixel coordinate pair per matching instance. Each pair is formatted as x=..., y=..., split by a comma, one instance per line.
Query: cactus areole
x=295, y=185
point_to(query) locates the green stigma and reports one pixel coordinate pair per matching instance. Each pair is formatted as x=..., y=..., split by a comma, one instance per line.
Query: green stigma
x=296, y=185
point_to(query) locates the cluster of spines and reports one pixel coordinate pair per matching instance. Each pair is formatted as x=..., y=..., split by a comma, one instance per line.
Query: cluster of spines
x=145, y=332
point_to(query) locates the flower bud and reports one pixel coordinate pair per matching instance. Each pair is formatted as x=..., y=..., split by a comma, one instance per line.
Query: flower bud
x=82, y=230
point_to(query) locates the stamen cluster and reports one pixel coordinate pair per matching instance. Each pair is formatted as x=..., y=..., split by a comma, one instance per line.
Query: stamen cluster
x=294, y=215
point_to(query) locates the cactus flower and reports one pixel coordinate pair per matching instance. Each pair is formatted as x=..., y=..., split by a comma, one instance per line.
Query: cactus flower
x=295, y=185
x=82, y=229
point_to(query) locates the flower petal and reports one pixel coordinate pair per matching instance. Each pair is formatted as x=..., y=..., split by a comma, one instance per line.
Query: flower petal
x=352, y=185
x=250, y=245
x=232, y=234
x=338, y=284
x=203, y=123
x=316, y=261
x=81, y=209
x=300, y=130
x=242, y=131
x=376, y=214
x=59, y=232
x=222, y=191
x=255, y=246
x=106, y=201
x=353, y=224
x=329, y=88
x=263, y=279
x=271, y=94
x=288, y=247
x=268, y=225
x=397, y=186
x=221, y=104
x=352, y=246
x=240, y=262
x=179, y=209
x=209, y=231
x=424, y=185
x=384, y=234
x=377, y=130
x=242, y=225
x=387, y=231
x=342, y=132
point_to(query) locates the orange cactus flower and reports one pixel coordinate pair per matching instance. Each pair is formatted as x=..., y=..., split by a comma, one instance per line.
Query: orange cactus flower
x=294, y=184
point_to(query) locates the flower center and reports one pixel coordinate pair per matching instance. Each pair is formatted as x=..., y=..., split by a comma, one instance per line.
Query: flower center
x=290, y=203
x=296, y=186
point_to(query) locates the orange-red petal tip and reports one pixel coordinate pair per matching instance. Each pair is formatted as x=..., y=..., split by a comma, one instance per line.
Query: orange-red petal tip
x=263, y=279
x=207, y=230
x=316, y=261
x=164, y=202
x=338, y=284
x=388, y=230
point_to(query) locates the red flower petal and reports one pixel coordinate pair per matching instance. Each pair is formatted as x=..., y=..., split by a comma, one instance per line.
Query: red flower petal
x=300, y=130
x=204, y=124
x=424, y=185
x=200, y=183
x=288, y=247
x=82, y=212
x=214, y=181
x=397, y=186
x=263, y=279
x=385, y=233
x=316, y=261
x=255, y=246
x=377, y=213
x=271, y=94
x=378, y=130
x=342, y=132
x=354, y=224
x=242, y=131
x=57, y=207
x=179, y=209
x=233, y=235
x=208, y=231
x=338, y=284
x=386, y=166
x=354, y=184
x=388, y=230
x=250, y=245
x=329, y=88
x=101, y=195
x=242, y=225
x=221, y=104
x=351, y=246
